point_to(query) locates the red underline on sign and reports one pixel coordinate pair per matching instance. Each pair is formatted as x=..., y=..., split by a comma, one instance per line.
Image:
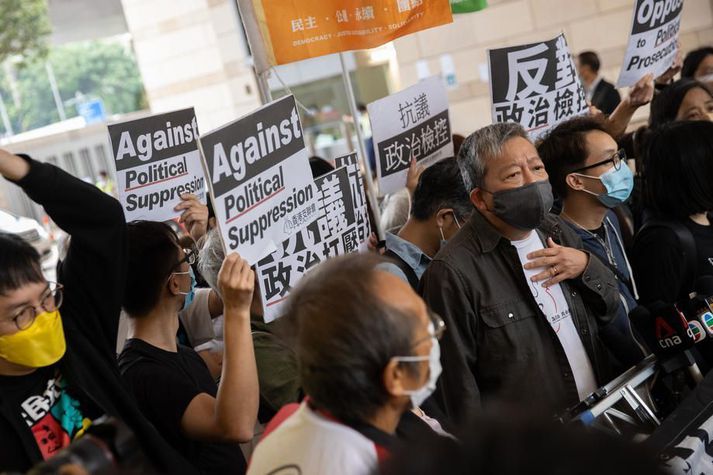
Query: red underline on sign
x=538, y=127
x=155, y=182
x=277, y=301
x=255, y=205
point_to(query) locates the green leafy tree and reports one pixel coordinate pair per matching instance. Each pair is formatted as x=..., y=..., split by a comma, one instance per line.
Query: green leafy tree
x=24, y=27
x=96, y=70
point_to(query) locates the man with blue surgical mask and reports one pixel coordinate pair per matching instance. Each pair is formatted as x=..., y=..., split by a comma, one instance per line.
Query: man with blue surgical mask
x=590, y=174
x=171, y=383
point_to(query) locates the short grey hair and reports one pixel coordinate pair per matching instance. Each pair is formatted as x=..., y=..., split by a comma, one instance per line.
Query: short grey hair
x=481, y=146
x=210, y=258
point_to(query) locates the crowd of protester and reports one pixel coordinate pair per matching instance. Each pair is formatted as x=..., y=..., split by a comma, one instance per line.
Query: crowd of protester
x=501, y=296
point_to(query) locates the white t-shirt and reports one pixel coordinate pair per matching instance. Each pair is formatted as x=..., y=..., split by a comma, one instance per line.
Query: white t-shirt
x=308, y=443
x=554, y=306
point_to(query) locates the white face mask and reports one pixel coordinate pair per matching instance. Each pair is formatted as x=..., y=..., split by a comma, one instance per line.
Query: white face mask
x=443, y=236
x=418, y=396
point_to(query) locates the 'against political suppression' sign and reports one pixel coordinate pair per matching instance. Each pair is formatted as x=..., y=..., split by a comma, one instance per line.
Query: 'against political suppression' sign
x=412, y=123
x=653, y=43
x=535, y=85
x=260, y=179
x=157, y=160
x=341, y=225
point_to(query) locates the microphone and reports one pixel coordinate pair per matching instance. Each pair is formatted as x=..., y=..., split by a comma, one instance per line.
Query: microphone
x=671, y=330
x=668, y=335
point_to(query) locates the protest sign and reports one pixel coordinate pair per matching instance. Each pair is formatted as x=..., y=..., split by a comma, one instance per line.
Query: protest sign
x=342, y=224
x=157, y=160
x=535, y=85
x=467, y=6
x=653, y=42
x=283, y=32
x=412, y=123
x=260, y=180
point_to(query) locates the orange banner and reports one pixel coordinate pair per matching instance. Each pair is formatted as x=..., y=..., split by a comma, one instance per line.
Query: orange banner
x=299, y=29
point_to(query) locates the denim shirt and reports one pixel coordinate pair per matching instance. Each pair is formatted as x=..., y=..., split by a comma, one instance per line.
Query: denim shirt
x=409, y=253
x=618, y=334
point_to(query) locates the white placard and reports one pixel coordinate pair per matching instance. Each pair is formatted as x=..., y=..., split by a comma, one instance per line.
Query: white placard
x=412, y=123
x=653, y=42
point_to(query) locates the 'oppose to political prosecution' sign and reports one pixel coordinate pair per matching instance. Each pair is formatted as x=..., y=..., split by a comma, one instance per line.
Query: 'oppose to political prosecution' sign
x=535, y=85
x=653, y=43
x=412, y=123
x=283, y=31
x=341, y=225
x=258, y=171
x=157, y=160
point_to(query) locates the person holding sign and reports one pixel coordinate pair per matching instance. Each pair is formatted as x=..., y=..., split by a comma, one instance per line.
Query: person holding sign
x=171, y=382
x=522, y=298
x=58, y=369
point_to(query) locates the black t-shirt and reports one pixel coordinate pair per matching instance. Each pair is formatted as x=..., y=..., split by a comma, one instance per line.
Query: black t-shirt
x=703, y=235
x=659, y=268
x=47, y=405
x=164, y=383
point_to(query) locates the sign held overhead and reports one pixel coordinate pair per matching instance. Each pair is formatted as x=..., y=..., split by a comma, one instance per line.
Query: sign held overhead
x=157, y=160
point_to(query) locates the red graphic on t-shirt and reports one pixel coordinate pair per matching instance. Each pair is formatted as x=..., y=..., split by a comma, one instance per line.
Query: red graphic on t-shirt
x=50, y=436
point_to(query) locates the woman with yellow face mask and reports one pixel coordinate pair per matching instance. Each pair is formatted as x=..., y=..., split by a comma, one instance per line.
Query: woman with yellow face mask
x=58, y=370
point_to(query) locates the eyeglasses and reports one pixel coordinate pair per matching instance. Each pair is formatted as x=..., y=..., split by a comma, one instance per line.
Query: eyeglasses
x=616, y=160
x=439, y=328
x=189, y=257
x=50, y=301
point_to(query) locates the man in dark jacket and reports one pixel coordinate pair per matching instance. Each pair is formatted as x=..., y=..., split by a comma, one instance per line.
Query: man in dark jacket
x=522, y=301
x=600, y=93
x=58, y=374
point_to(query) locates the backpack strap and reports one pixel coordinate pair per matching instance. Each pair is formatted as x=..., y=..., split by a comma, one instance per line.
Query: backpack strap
x=404, y=267
x=687, y=244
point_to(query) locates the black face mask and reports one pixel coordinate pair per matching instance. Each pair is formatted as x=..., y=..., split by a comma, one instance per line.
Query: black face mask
x=524, y=207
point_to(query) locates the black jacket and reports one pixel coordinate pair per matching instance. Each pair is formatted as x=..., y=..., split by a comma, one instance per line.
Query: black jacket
x=605, y=97
x=498, y=343
x=93, y=275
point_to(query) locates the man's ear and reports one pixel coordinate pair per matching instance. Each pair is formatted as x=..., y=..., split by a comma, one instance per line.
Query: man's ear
x=476, y=197
x=574, y=181
x=393, y=378
x=441, y=216
x=172, y=285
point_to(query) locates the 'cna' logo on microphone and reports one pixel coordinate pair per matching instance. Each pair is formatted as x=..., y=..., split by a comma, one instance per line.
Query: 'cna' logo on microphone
x=666, y=336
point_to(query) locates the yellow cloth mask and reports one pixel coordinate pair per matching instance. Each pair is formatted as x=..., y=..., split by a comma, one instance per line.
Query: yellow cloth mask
x=42, y=344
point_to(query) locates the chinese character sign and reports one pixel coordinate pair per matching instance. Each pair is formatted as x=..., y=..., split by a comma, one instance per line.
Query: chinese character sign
x=412, y=123
x=157, y=160
x=295, y=30
x=340, y=226
x=653, y=42
x=535, y=85
x=259, y=175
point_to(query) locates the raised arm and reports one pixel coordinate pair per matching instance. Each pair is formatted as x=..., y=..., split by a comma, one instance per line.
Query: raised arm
x=93, y=272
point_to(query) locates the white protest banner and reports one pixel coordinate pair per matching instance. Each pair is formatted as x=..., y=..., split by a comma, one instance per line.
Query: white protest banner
x=653, y=43
x=157, y=160
x=342, y=224
x=260, y=180
x=535, y=85
x=412, y=123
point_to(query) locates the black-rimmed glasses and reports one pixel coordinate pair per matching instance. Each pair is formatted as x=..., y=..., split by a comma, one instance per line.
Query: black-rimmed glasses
x=616, y=159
